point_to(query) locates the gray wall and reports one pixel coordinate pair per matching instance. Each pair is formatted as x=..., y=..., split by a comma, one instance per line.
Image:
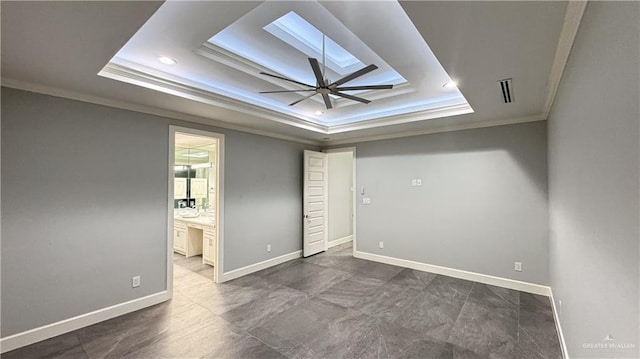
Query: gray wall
x=263, y=198
x=594, y=184
x=84, y=205
x=340, y=195
x=481, y=207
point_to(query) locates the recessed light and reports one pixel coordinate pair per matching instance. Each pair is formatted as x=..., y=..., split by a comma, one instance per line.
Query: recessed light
x=450, y=84
x=319, y=113
x=167, y=60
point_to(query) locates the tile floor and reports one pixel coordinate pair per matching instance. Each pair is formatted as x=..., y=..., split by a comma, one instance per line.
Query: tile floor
x=327, y=306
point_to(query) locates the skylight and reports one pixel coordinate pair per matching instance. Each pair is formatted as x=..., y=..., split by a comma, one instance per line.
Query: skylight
x=306, y=38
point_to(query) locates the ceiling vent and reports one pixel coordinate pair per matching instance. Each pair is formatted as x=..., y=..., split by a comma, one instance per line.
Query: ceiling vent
x=507, y=90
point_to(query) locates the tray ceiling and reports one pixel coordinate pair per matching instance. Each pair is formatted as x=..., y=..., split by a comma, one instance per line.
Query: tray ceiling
x=220, y=53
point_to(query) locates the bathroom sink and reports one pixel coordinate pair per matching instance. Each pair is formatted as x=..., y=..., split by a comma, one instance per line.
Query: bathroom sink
x=189, y=214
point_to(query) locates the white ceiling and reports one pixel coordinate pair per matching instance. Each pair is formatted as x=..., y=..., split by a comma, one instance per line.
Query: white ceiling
x=220, y=51
x=59, y=47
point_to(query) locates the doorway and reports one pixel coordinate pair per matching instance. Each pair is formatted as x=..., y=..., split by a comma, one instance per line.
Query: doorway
x=195, y=203
x=328, y=201
x=341, y=196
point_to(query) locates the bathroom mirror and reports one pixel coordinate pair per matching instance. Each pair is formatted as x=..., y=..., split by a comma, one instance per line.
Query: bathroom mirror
x=194, y=173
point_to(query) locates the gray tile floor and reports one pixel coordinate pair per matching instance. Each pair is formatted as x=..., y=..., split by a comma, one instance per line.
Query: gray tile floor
x=327, y=306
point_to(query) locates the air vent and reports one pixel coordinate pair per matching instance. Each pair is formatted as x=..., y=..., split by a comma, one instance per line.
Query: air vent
x=507, y=90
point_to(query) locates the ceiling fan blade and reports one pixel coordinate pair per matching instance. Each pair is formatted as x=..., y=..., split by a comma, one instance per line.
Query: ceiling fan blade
x=287, y=91
x=327, y=101
x=362, y=71
x=315, y=66
x=350, y=97
x=302, y=99
x=286, y=79
x=371, y=87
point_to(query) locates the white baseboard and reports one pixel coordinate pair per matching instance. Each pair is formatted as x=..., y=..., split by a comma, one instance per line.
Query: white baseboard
x=340, y=241
x=35, y=335
x=236, y=273
x=457, y=273
x=556, y=317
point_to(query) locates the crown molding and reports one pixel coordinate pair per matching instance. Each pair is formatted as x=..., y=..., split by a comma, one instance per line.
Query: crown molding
x=173, y=87
x=448, y=111
x=572, y=19
x=98, y=100
x=136, y=75
x=444, y=128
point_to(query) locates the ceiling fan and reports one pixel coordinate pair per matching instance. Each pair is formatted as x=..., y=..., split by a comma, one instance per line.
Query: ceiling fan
x=325, y=87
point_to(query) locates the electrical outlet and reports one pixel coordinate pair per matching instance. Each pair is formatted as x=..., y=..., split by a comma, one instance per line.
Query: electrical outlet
x=381, y=244
x=268, y=248
x=419, y=182
x=366, y=200
x=135, y=281
x=518, y=266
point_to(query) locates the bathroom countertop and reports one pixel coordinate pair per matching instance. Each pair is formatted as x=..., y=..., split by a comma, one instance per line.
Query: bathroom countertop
x=201, y=220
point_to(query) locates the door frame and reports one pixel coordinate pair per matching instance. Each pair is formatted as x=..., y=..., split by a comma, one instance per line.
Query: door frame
x=352, y=150
x=219, y=260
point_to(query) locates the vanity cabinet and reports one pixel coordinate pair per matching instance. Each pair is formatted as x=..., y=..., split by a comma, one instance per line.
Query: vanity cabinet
x=180, y=237
x=196, y=236
x=187, y=238
x=209, y=244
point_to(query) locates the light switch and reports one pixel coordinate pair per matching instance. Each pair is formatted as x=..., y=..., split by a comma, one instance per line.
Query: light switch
x=366, y=200
x=419, y=182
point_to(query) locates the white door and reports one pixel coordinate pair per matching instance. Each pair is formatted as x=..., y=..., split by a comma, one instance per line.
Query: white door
x=314, y=203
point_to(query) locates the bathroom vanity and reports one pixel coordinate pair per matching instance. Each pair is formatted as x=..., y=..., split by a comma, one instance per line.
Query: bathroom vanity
x=194, y=236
